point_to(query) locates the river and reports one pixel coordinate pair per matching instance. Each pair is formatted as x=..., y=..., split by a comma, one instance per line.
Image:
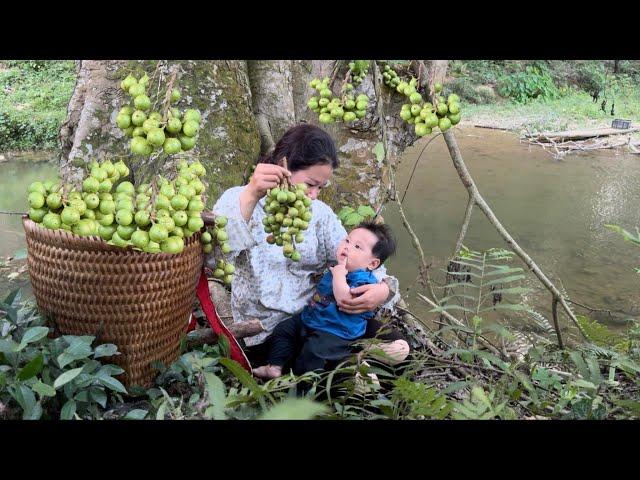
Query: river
x=555, y=209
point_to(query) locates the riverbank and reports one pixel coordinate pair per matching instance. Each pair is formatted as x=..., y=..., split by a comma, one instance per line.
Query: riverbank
x=575, y=111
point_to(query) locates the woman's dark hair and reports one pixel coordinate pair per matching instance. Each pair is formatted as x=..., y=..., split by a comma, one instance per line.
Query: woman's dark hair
x=304, y=146
x=386, y=244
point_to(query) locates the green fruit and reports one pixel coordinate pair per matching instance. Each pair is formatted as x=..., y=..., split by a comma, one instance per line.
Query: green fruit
x=92, y=200
x=142, y=218
x=225, y=247
x=444, y=124
x=138, y=132
x=155, y=136
x=228, y=279
x=128, y=82
x=174, y=125
x=126, y=110
x=454, y=108
x=415, y=98
x=287, y=248
x=191, y=114
x=107, y=206
x=218, y=273
x=37, y=214
x=175, y=95
x=187, y=143
x=453, y=98
x=179, y=202
x=221, y=221
x=139, y=146
x=51, y=220
x=123, y=121
x=187, y=191
x=207, y=248
x=105, y=186
x=124, y=217
x=36, y=199
x=106, y=231
x=136, y=89
x=421, y=129
x=158, y=233
x=455, y=119
x=150, y=124
x=195, y=205
x=172, y=245
x=85, y=228
x=137, y=119
x=142, y=102
x=437, y=88
x=37, y=187
x=206, y=237
x=190, y=128
x=105, y=220
x=152, y=247
x=229, y=269
x=349, y=117
x=91, y=185
x=405, y=114
x=125, y=231
x=54, y=200
x=222, y=236
x=295, y=256
x=415, y=110
x=442, y=109
x=118, y=241
x=140, y=239
x=195, y=223
x=361, y=105
x=90, y=214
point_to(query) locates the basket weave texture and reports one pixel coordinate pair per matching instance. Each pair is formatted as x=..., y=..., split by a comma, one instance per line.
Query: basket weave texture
x=139, y=301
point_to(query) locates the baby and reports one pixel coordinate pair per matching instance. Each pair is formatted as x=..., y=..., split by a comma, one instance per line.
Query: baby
x=321, y=332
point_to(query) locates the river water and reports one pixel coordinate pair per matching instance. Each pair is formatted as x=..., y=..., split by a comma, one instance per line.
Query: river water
x=556, y=210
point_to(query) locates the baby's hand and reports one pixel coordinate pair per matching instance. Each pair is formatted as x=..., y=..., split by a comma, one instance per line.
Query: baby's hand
x=340, y=268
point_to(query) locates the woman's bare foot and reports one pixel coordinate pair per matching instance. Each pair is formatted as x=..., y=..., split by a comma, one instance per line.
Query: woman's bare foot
x=268, y=371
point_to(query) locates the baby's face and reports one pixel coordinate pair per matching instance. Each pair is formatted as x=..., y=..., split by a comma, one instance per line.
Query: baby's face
x=357, y=248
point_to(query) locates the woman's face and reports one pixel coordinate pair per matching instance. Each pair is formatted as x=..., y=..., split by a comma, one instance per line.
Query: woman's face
x=316, y=178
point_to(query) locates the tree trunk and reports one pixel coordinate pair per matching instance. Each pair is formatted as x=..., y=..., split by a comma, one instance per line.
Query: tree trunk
x=246, y=107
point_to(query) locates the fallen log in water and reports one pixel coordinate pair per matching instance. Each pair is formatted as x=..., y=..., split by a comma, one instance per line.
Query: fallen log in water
x=578, y=134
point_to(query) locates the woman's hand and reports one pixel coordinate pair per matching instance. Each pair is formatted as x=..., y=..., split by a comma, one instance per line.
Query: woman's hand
x=365, y=298
x=264, y=177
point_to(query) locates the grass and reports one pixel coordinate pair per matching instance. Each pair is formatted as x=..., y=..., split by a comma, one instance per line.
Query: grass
x=33, y=102
x=573, y=110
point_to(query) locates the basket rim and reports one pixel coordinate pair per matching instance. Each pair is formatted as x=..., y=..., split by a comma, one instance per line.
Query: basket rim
x=99, y=244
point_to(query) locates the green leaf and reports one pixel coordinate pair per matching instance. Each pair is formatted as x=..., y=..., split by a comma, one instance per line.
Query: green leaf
x=136, y=414
x=468, y=264
x=8, y=346
x=513, y=290
x=25, y=398
x=294, y=409
x=217, y=395
x=451, y=307
x=11, y=297
x=502, y=271
x=501, y=331
x=32, y=368
x=353, y=219
x=99, y=396
x=579, y=361
x=344, y=212
x=458, y=295
x=33, y=334
x=506, y=306
x=378, y=150
x=461, y=274
x=68, y=410
x=112, y=384
x=66, y=377
x=76, y=351
x=105, y=350
x=585, y=384
x=512, y=278
x=43, y=389
x=366, y=211
x=243, y=376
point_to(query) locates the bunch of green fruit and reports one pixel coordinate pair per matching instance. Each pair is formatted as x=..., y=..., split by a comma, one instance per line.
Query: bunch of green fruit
x=425, y=116
x=390, y=77
x=174, y=132
x=150, y=219
x=57, y=206
x=359, y=70
x=288, y=213
x=348, y=108
x=224, y=271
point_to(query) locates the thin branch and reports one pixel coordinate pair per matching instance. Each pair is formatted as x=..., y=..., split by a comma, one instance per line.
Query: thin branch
x=591, y=309
x=554, y=310
x=416, y=164
x=469, y=184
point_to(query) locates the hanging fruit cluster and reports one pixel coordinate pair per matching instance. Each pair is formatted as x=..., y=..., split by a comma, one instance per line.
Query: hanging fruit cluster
x=359, y=70
x=152, y=218
x=390, y=77
x=288, y=210
x=149, y=130
x=347, y=108
x=425, y=116
x=217, y=238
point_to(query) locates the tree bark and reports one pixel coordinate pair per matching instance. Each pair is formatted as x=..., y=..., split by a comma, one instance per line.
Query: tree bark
x=246, y=107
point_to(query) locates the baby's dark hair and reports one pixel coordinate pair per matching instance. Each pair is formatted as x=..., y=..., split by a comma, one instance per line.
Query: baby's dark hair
x=386, y=244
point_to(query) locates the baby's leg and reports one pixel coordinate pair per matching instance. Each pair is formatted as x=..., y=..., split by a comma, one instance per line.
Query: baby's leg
x=284, y=342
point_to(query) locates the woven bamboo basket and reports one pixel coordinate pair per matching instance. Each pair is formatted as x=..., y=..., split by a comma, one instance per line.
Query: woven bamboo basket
x=139, y=301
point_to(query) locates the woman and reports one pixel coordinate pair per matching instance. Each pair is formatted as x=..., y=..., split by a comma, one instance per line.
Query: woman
x=269, y=286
